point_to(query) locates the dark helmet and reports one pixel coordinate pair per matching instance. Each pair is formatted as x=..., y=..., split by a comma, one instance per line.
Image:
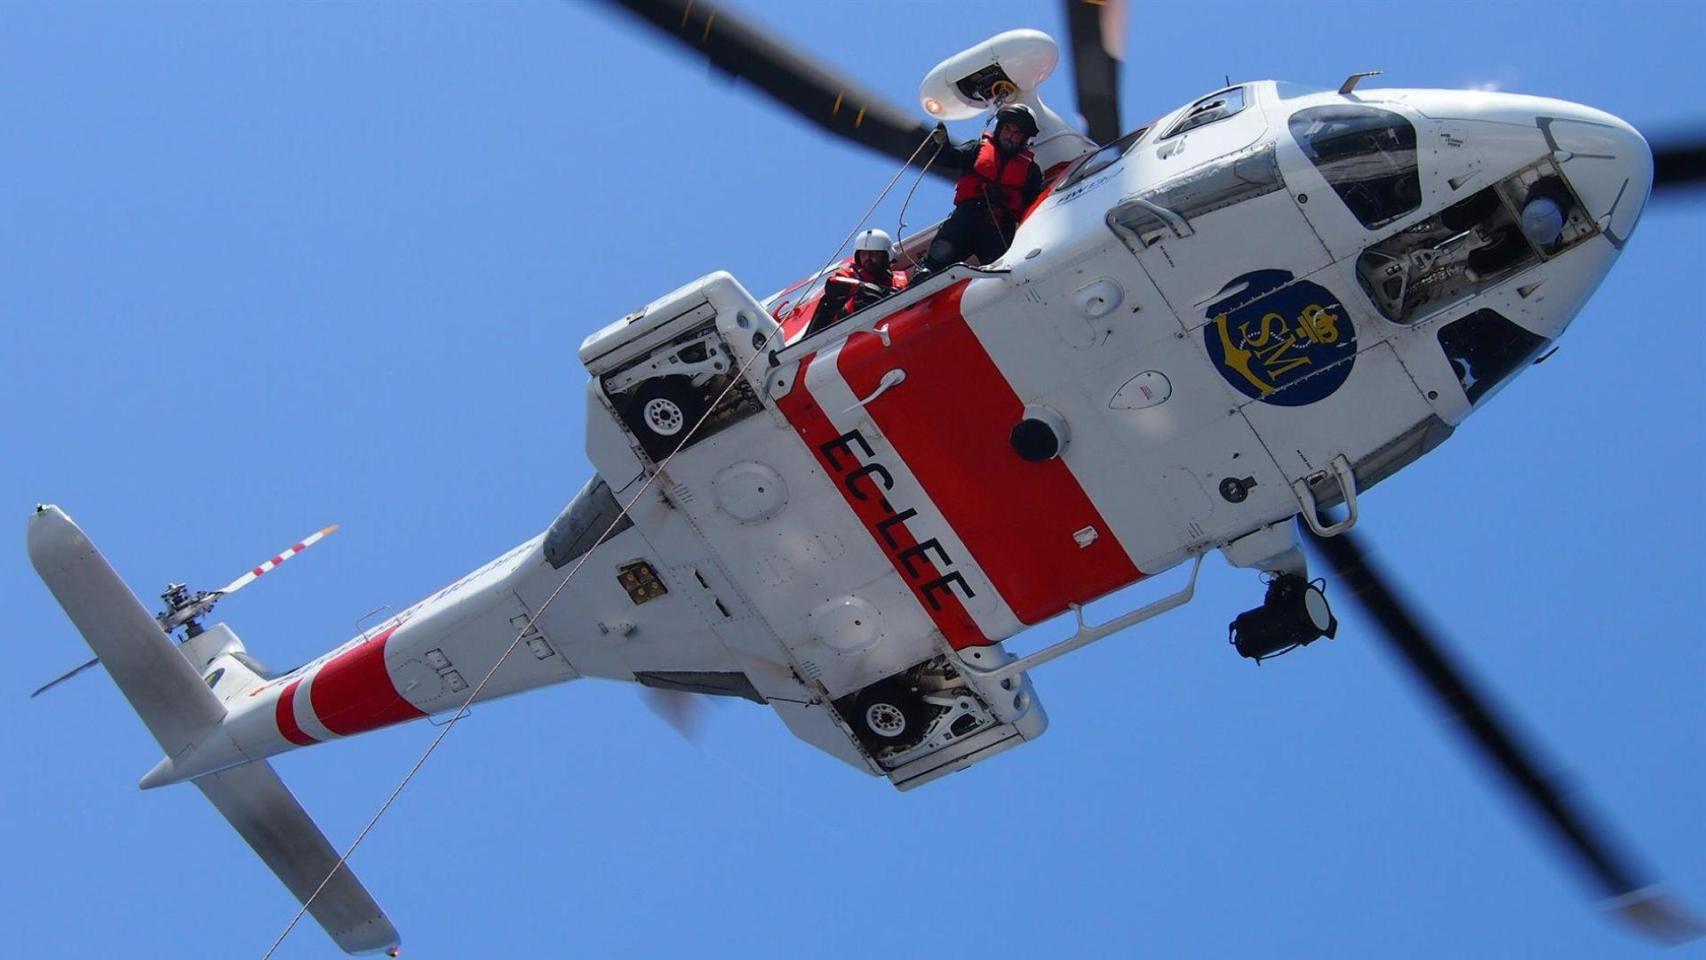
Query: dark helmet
x=1019, y=115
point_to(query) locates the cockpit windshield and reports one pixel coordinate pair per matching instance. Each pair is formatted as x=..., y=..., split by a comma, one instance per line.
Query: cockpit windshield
x=1216, y=106
x=1367, y=155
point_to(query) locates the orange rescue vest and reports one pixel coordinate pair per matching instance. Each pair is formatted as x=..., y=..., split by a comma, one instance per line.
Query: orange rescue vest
x=1002, y=181
x=839, y=304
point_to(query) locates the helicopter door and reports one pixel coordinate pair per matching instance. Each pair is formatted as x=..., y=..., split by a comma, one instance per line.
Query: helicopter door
x=1354, y=169
x=1376, y=407
x=1235, y=210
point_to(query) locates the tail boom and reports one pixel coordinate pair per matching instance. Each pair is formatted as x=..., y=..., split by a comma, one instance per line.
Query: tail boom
x=189, y=721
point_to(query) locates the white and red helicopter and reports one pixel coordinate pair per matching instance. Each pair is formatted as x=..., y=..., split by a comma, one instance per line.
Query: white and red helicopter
x=1248, y=311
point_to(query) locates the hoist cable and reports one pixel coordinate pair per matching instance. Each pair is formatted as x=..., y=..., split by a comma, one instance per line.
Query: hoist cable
x=878, y=202
x=462, y=711
x=900, y=221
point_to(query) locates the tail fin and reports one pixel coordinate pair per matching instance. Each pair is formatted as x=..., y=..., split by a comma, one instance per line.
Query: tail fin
x=162, y=687
x=262, y=809
x=179, y=710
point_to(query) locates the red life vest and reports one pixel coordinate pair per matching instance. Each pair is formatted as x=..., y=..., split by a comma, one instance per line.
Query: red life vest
x=840, y=305
x=897, y=281
x=1002, y=181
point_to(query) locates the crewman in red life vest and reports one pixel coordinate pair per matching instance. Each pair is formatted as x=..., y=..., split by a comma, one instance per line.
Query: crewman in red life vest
x=857, y=285
x=999, y=180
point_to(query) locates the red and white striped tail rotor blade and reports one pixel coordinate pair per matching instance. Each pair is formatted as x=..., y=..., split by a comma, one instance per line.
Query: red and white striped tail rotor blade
x=266, y=567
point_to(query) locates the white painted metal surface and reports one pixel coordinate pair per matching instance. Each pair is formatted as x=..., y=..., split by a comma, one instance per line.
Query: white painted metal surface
x=802, y=525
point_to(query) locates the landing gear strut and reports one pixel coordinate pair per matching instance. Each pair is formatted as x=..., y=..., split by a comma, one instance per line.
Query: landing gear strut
x=1293, y=614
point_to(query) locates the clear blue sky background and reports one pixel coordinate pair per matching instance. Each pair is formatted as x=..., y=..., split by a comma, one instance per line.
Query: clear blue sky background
x=269, y=266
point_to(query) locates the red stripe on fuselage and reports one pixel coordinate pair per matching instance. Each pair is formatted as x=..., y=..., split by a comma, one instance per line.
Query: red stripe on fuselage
x=950, y=421
x=353, y=692
x=841, y=457
x=285, y=712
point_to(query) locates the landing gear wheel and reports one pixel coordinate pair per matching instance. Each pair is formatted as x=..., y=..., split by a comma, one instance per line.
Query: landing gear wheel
x=885, y=720
x=662, y=413
x=888, y=715
x=664, y=416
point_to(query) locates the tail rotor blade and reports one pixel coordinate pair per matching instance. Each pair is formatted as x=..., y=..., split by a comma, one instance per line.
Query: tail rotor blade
x=56, y=681
x=266, y=567
x=1097, y=29
x=187, y=609
x=1602, y=859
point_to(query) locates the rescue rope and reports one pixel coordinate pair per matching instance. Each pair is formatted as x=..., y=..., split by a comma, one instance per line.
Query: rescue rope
x=900, y=222
x=462, y=711
x=878, y=202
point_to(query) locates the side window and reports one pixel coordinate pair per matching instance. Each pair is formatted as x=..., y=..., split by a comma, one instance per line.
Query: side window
x=1216, y=106
x=1286, y=90
x=1485, y=349
x=1102, y=159
x=1367, y=155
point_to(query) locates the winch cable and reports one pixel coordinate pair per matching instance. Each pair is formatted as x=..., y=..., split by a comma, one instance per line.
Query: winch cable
x=462, y=711
x=937, y=134
x=900, y=221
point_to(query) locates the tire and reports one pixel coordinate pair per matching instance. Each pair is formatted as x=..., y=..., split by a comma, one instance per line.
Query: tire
x=662, y=413
x=888, y=715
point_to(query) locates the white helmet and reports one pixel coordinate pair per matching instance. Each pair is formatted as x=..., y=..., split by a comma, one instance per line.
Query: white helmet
x=875, y=239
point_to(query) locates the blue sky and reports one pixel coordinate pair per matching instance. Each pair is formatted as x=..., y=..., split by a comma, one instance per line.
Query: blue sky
x=266, y=267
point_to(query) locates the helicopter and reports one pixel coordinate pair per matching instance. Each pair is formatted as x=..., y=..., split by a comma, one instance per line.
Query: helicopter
x=642, y=584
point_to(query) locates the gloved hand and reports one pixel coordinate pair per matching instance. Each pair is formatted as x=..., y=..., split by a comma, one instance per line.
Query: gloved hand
x=869, y=293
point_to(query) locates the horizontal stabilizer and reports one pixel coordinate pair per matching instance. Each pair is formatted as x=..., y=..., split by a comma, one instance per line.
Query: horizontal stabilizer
x=263, y=810
x=162, y=687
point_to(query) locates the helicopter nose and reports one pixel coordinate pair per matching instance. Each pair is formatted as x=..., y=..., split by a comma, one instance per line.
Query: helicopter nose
x=1606, y=160
x=1608, y=163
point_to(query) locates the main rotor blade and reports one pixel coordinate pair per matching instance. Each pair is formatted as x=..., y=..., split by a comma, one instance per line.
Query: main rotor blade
x=56, y=681
x=1607, y=865
x=1097, y=29
x=266, y=567
x=1679, y=164
x=741, y=49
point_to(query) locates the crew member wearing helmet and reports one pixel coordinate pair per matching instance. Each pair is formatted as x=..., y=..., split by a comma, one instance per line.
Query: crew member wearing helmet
x=857, y=285
x=999, y=180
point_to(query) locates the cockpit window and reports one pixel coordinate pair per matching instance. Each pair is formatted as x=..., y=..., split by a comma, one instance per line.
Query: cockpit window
x=1216, y=106
x=1485, y=349
x=1291, y=91
x=1102, y=159
x=1367, y=155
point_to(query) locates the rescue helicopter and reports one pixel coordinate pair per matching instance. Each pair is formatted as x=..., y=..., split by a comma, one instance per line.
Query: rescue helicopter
x=1209, y=334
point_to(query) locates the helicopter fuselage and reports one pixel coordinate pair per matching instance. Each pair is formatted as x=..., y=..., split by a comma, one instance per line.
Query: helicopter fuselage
x=1257, y=307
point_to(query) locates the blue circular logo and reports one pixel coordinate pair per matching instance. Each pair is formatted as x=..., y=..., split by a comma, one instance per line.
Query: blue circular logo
x=214, y=678
x=1280, y=340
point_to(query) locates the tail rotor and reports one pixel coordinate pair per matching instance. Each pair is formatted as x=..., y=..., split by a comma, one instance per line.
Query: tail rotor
x=185, y=610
